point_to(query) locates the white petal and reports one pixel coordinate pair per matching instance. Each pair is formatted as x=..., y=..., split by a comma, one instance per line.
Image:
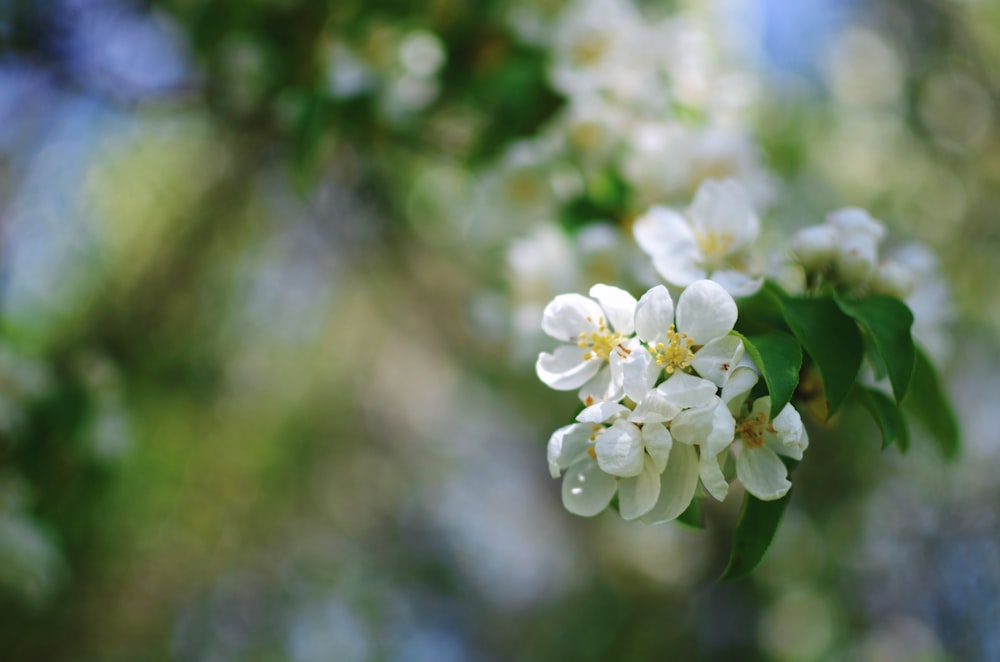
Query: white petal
x=566, y=445
x=723, y=207
x=684, y=390
x=738, y=283
x=654, y=313
x=618, y=305
x=712, y=427
x=601, y=412
x=737, y=388
x=601, y=387
x=619, y=449
x=677, y=485
x=640, y=373
x=616, y=362
x=718, y=358
x=790, y=436
x=663, y=232
x=586, y=490
x=565, y=369
x=638, y=495
x=762, y=473
x=681, y=269
x=654, y=408
x=710, y=471
x=656, y=439
x=569, y=315
x=705, y=312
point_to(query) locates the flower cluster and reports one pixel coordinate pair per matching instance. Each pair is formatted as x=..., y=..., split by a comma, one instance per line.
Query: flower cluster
x=665, y=391
x=843, y=252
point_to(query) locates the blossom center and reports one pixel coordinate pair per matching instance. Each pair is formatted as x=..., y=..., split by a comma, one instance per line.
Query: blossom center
x=596, y=431
x=751, y=429
x=714, y=245
x=591, y=49
x=599, y=344
x=676, y=353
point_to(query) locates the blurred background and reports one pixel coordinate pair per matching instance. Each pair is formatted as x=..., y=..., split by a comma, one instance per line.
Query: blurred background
x=270, y=280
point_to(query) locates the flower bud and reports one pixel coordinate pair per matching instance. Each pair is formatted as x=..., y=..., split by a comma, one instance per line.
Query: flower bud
x=894, y=279
x=856, y=260
x=854, y=221
x=815, y=246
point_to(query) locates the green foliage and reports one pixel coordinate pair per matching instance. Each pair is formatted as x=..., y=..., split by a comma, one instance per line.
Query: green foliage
x=929, y=404
x=832, y=340
x=755, y=529
x=761, y=312
x=693, y=516
x=886, y=322
x=887, y=415
x=779, y=358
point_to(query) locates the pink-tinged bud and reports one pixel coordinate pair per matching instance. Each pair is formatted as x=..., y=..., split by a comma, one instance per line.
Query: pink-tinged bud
x=856, y=260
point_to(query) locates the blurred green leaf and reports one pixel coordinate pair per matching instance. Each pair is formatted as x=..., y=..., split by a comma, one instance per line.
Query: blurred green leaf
x=694, y=516
x=832, y=340
x=886, y=321
x=779, y=358
x=929, y=404
x=755, y=529
x=888, y=417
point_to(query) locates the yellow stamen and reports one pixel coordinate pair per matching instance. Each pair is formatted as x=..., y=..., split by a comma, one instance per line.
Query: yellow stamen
x=599, y=344
x=714, y=245
x=751, y=429
x=676, y=354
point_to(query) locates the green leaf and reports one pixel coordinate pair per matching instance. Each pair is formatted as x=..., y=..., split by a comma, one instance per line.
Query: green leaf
x=693, y=516
x=887, y=416
x=755, y=529
x=887, y=322
x=929, y=404
x=833, y=341
x=762, y=311
x=779, y=357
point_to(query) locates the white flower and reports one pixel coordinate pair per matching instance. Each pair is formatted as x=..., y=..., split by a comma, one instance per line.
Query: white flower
x=599, y=331
x=762, y=439
x=697, y=340
x=604, y=453
x=712, y=241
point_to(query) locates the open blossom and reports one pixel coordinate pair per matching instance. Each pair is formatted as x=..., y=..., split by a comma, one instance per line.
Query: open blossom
x=604, y=453
x=711, y=241
x=598, y=332
x=695, y=340
x=763, y=439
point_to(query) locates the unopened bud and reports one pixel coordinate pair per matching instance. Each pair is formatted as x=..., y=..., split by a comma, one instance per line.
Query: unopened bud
x=854, y=221
x=856, y=260
x=815, y=246
x=894, y=279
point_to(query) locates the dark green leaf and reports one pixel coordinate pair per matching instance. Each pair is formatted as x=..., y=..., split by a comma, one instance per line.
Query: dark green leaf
x=833, y=341
x=755, y=530
x=929, y=404
x=693, y=516
x=887, y=322
x=887, y=416
x=761, y=312
x=779, y=357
